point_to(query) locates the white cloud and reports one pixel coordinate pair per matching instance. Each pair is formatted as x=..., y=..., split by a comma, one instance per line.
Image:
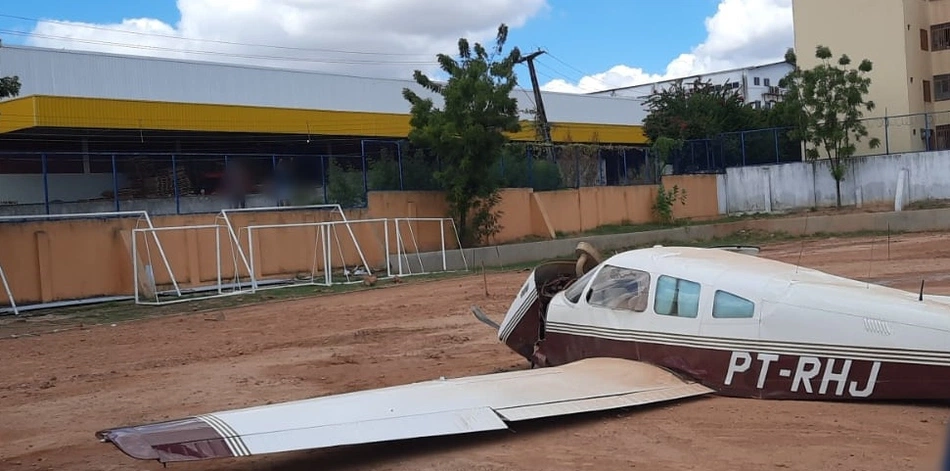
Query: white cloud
x=739, y=34
x=394, y=37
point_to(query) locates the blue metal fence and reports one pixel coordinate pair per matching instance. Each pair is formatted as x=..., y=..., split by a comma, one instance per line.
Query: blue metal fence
x=921, y=132
x=736, y=149
x=183, y=183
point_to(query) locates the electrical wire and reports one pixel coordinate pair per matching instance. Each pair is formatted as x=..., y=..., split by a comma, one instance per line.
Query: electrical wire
x=218, y=53
x=215, y=41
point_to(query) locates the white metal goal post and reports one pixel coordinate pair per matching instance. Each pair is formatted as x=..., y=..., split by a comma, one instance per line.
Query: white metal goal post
x=154, y=296
x=403, y=252
x=327, y=245
x=140, y=216
x=334, y=209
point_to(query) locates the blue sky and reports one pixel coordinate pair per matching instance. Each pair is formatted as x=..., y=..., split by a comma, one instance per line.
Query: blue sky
x=611, y=42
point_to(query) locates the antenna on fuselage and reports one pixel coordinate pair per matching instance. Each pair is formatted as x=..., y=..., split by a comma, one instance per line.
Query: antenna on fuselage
x=921, y=297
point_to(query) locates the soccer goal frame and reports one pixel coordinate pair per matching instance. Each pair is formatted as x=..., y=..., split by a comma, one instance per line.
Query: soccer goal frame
x=140, y=217
x=402, y=252
x=326, y=233
x=335, y=209
x=218, y=290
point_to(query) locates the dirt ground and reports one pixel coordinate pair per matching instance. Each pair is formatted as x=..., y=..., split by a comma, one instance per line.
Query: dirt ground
x=57, y=389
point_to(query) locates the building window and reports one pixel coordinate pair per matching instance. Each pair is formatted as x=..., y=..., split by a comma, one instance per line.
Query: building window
x=927, y=98
x=622, y=289
x=924, y=40
x=767, y=82
x=942, y=141
x=757, y=81
x=941, y=87
x=676, y=297
x=940, y=37
x=729, y=306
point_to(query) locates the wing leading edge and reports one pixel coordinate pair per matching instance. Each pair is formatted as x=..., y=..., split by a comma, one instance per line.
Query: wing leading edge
x=431, y=408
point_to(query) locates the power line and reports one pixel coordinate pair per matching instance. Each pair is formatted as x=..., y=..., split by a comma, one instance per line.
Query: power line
x=220, y=54
x=583, y=74
x=184, y=38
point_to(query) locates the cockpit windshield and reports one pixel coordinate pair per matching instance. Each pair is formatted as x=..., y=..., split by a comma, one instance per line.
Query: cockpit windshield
x=576, y=289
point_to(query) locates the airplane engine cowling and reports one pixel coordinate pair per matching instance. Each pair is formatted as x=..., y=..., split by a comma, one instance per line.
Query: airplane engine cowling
x=523, y=326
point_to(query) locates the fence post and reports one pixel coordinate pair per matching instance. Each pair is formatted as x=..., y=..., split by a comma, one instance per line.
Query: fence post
x=625, y=180
x=577, y=170
x=692, y=153
x=775, y=141
x=502, y=166
x=530, y=167
x=927, y=131
x=742, y=145
x=887, y=139
x=45, y=183
x=323, y=175
x=365, y=184
x=399, y=163
x=175, y=185
x=115, y=184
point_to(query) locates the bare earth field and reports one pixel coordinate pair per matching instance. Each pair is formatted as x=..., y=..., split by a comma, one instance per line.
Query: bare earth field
x=57, y=389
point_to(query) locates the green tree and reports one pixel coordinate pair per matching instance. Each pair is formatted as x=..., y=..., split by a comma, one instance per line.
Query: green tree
x=698, y=111
x=9, y=87
x=830, y=97
x=469, y=133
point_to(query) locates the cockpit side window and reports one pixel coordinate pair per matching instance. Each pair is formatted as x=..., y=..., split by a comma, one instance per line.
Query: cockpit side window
x=729, y=306
x=676, y=297
x=576, y=289
x=619, y=288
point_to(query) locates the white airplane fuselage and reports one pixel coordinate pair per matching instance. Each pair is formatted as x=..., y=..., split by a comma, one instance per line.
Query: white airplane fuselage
x=741, y=325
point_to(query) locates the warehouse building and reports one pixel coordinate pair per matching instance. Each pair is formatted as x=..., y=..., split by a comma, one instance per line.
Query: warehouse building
x=77, y=110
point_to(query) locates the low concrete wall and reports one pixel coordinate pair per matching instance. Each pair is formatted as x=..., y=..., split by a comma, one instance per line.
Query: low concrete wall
x=798, y=185
x=67, y=259
x=905, y=221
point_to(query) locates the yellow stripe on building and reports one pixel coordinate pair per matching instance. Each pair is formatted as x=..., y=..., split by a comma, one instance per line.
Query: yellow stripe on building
x=73, y=112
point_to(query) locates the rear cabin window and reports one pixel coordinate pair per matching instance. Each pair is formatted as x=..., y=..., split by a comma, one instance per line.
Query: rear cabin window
x=729, y=306
x=676, y=297
x=619, y=288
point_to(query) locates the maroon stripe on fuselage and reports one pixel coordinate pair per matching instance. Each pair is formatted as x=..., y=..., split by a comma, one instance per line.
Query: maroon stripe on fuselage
x=740, y=372
x=178, y=440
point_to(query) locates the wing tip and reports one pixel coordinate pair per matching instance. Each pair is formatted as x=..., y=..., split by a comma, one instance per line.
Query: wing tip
x=186, y=439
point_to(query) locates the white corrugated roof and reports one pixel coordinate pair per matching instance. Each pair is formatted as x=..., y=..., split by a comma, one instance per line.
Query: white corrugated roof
x=71, y=73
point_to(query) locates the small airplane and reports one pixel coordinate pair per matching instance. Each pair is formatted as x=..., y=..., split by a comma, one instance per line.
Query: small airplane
x=642, y=326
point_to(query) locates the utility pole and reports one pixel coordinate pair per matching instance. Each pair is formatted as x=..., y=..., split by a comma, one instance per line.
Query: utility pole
x=541, y=116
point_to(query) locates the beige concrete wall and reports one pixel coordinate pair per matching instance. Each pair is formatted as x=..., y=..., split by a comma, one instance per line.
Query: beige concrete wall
x=82, y=258
x=871, y=29
x=940, y=61
x=887, y=33
x=919, y=64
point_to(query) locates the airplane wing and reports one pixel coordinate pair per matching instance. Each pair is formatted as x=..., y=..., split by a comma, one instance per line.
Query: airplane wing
x=425, y=409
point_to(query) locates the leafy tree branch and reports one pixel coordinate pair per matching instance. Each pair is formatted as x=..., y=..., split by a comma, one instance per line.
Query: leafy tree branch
x=469, y=132
x=831, y=97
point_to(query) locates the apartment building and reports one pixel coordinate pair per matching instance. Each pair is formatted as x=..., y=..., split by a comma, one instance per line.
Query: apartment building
x=908, y=42
x=757, y=85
